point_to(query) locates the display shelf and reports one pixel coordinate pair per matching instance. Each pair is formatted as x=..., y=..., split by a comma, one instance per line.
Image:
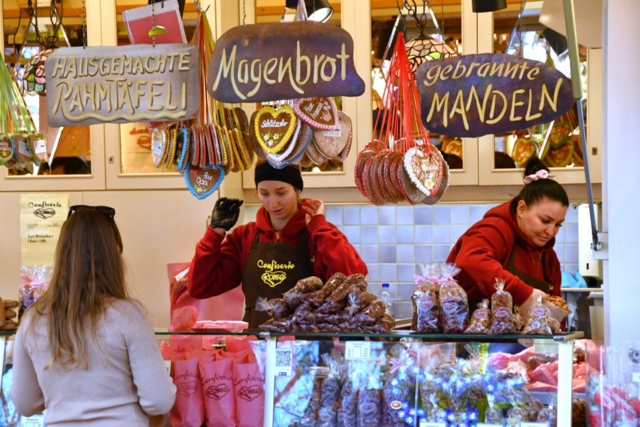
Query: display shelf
x=582, y=289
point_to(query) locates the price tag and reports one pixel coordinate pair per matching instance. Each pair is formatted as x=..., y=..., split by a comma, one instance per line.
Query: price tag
x=157, y=147
x=636, y=377
x=23, y=147
x=41, y=146
x=334, y=133
x=167, y=364
x=32, y=421
x=528, y=424
x=284, y=362
x=425, y=423
x=357, y=350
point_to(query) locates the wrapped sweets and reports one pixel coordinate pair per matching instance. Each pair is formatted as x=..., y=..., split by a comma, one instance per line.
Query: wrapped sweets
x=454, y=305
x=348, y=405
x=328, y=412
x=275, y=308
x=399, y=387
x=501, y=310
x=299, y=293
x=538, y=322
x=310, y=416
x=370, y=400
x=480, y=322
x=426, y=311
x=318, y=297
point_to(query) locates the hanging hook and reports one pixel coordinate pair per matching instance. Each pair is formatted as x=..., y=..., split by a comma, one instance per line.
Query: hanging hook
x=199, y=7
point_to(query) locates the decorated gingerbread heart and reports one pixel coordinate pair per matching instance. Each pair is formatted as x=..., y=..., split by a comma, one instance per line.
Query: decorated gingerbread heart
x=159, y=145
x=523, y=150
x=38, y=148
x=425, y=169
x=319, y=112
x=274, y=128
x=202, y=182
x=6, y=148
x=562, y=156
x=559, y=134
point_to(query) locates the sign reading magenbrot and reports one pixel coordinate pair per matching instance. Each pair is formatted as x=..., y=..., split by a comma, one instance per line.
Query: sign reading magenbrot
x=269, y=62
x=122, y=84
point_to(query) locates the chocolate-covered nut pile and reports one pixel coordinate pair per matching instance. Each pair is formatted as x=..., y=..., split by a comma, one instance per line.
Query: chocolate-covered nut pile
x=340, y=305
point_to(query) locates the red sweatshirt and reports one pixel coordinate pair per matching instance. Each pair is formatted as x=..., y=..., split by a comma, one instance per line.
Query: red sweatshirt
x=218, y=264
x=483, y=252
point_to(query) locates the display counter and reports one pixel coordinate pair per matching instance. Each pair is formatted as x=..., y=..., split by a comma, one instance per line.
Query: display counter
x=398, y=379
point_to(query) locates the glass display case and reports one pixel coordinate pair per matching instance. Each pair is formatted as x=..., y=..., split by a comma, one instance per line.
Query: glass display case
x=398, y=379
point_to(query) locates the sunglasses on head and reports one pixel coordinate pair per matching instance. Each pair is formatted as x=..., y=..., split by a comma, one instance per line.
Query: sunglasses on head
x=108, y=211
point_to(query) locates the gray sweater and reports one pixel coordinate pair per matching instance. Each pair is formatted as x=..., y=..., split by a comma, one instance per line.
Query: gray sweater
x=121, y=388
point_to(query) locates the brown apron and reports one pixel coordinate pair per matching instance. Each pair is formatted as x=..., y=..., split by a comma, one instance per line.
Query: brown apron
x=271, y=270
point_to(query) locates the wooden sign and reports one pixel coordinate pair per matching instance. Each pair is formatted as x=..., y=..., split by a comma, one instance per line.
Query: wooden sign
x=270, y=62
x=475, y=95
x=122, y=84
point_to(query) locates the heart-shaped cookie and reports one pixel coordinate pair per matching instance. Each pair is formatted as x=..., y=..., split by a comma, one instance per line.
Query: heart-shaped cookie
x=559, y=134
x=314, y=154
x=159, y=144
x=241, y=119
x=21, y=147
x=194, y=146
x=208, y=142
x=38, y=148
x=424, y=168
x=561, y=156
x=182, y=148
x=389, y=179
x=413, y=194
x=342, y=157
x=383, y=169
x=171, y=150
x=331, y=142
x=274, y=127
x=288, y=148
x=257, y=148
x=217, y=149
x=202, y=182
x=224, y=148
x=6, y=148
x=523, y=150
x=394, y=175
x=319, y=112
x=362, y=159
x=204, y=160
x=443, y=186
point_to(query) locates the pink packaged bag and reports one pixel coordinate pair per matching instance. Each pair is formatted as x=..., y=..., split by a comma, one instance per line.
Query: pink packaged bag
x=248, y=386
x=188, y=409
x=218, y=391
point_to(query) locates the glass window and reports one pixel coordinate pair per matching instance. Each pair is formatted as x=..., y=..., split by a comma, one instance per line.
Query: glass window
x=430, y=33
x=518, y=32
x=70, y=147
x=135, y=138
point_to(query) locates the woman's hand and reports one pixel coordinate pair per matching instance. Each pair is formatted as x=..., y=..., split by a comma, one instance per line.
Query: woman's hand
x=525, y=308
x=313, y=207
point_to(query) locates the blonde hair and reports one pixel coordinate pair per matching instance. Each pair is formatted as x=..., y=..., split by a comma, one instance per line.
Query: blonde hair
x=88, y=276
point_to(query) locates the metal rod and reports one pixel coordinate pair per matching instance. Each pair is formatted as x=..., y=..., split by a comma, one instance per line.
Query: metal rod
x=576, y=80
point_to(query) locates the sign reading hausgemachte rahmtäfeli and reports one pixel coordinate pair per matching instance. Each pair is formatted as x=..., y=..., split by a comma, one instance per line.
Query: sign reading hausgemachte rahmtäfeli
x=270, y=62
x=122, y=84
x=475, y=95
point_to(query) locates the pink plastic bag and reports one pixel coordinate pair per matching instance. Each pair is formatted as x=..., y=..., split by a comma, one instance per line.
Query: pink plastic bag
x=249, y=390
x=188, y=409
x=219, y=396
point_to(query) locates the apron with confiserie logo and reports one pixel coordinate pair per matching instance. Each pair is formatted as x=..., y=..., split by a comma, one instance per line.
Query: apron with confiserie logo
x=272, y=269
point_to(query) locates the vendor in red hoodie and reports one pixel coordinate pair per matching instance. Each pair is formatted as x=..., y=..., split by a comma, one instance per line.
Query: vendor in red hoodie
x=290, y=240
x=514, y=242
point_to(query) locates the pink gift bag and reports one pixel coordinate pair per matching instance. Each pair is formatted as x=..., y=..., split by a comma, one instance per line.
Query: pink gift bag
x=217, y=388
x=188, y=409
x=249, y=390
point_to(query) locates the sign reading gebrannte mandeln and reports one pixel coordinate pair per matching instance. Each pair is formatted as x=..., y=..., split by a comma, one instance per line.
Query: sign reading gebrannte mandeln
x=136, y=83
x=270, y=62
x=475, y=95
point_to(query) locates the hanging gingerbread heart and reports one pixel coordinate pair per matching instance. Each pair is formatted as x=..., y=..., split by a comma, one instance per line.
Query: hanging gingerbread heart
x=443, y=186
x=331, y=142
x=182, y=149
x=21, y=147
x=274, y=127
x=424, y=168
x=559, y=134
x=319, y=112
x=6, y=149
x=159, y=143
x=202, y=182
x=523, y=150
x=38, y=148
x=562, y=156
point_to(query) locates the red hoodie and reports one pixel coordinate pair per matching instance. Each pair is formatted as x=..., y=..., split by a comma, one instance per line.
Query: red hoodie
x=218, y=264
x=483, y=252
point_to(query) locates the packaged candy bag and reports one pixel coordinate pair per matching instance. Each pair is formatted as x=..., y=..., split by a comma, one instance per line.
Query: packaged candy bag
x=318, y=297
x=399, y=387
x=425, y=302
x=310, y=415
x=188, y=409
x=248, y=386
x=35, y=281
x=454, y=305
x=370, y=399
x=328, y=412
x=501, y=310
x=276, y=307
x=348, y=404
x=480, y=322
x=538, y=322
x=217, y=388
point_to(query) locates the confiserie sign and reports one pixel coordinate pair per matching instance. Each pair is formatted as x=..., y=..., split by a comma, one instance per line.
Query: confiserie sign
x=122, y=84
x=475, y=95
x=269, y=62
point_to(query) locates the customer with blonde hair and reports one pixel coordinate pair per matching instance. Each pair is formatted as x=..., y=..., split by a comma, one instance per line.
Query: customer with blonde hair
x=86, y=351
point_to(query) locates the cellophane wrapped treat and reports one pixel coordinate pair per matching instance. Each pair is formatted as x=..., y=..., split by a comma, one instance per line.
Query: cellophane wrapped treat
x=300, y=292
x=370, y=399
x=310, y=416
x=318, y=297
x=399, y=386
x=348, y=404
x=538, y=320
x=328, y=412
x=356, y=301
x=35, y=281
x=352, y=283
x=480, y=322
x=425, y=302
x=371, y=314
x=275, y=307
x=502, y=310
x=454, y=305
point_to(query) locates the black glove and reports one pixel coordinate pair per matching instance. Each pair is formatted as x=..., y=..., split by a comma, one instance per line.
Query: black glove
x=225, y=213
